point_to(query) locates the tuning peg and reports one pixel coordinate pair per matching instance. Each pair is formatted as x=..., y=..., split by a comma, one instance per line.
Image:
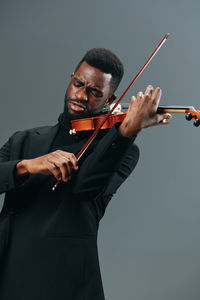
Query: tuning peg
x=188, y=117
x=197, y=122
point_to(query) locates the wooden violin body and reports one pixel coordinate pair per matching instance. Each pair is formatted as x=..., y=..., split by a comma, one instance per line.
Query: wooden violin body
x=94, y=122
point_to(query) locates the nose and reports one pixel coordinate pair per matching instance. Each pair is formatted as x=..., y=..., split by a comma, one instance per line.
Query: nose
x=81, y=94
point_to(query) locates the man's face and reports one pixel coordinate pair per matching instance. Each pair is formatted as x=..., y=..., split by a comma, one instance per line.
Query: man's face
x=88, y=91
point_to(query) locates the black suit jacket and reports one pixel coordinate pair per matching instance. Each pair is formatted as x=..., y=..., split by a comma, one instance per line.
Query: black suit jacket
x=48, y=240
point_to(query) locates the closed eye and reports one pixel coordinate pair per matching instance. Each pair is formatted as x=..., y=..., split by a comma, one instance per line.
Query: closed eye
x=95, y=92
x=77, y=82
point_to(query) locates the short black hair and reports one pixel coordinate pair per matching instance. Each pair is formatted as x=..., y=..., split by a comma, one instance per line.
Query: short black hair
x=106, y=61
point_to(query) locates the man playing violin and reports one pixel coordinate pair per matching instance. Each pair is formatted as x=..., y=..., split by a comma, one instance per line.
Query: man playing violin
x=48, y=240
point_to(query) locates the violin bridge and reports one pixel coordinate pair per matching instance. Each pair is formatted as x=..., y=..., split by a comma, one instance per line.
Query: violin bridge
x=117, y=109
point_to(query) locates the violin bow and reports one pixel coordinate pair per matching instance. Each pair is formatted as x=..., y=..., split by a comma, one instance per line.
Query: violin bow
x=87, y=144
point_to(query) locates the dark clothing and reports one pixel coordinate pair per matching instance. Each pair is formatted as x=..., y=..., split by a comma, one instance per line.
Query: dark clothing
x=48, y=240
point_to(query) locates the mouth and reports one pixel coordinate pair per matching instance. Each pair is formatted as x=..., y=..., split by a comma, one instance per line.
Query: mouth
x=76, y=106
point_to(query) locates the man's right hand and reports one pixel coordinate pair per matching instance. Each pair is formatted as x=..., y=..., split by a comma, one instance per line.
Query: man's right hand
x=58, y=163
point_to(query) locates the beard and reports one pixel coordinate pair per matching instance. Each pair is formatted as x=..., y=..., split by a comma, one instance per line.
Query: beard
x=75, y=116
x=66, y=117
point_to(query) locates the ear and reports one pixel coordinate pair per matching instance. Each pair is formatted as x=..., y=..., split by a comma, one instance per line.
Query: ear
x=110, y=100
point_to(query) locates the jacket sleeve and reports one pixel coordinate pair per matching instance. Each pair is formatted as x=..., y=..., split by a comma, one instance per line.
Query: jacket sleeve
x=7, y=167
x=107, y=167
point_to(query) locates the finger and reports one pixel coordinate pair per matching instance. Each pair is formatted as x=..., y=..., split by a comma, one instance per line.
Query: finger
x=61, y=164
x=164, y=118
x=69, y=170
x=149, y=91
x=73, y=161
x=167, y=116
x=65, y=161
x=132, y=101
x=140, y=95
x=71, y=157
x=69, y=162
x=156, y=96
x=54, y=170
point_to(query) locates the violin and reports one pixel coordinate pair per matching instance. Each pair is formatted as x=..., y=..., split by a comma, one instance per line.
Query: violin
x=93, y=123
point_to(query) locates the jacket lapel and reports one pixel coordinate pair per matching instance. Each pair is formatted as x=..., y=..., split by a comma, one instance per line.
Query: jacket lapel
x=40, y=141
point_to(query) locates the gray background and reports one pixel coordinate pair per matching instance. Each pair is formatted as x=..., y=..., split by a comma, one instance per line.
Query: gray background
x=149, y=239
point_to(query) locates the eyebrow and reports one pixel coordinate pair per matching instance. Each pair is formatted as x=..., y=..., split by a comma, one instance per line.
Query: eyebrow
x=95, y=88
